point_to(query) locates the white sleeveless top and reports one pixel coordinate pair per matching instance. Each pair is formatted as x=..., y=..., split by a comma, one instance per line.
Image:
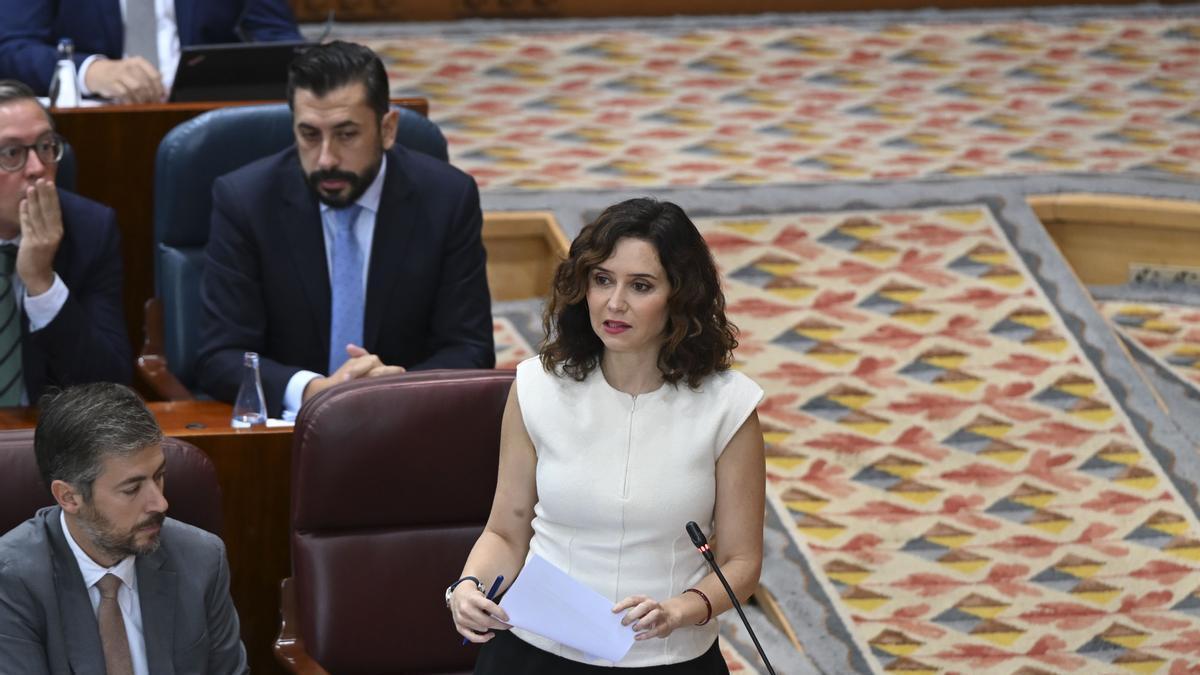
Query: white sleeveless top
x=618, y=477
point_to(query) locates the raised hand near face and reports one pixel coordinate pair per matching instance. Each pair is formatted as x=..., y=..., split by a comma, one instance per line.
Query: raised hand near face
x=41, y=234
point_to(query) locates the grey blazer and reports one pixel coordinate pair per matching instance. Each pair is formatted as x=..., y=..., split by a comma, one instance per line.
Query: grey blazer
x=47, y=625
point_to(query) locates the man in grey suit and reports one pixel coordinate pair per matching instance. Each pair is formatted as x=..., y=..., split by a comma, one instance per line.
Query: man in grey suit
x=104, y=582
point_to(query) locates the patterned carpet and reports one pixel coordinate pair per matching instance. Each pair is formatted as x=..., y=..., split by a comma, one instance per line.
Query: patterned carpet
x=1169, y=332
x=918, y=378
x=754, y=105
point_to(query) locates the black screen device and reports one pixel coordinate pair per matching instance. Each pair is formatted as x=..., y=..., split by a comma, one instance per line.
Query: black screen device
x=239, y=71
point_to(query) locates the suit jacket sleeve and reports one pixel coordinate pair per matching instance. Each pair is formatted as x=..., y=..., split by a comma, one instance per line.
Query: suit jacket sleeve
x=228, y=654
x=22, y=648
x=461, y=330
x=269, y=21
x=86, y=340
x=232, y=296
x=28, y=46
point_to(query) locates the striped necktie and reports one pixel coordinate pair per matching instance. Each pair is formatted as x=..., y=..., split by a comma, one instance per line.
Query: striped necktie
x=141, y=30
x=10, y=331
x=346, y=312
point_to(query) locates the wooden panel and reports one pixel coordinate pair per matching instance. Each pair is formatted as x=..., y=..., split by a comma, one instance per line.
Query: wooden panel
x=449, y=10
x=524, y=248
x=254, y=471
x=115, y=148
x=1102, y=235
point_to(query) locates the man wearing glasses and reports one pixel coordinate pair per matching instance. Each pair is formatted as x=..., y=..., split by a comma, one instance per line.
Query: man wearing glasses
x=61, y=319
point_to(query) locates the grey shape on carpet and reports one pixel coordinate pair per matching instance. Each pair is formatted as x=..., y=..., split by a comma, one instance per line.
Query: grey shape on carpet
x=785, y=572
x=1182, y=398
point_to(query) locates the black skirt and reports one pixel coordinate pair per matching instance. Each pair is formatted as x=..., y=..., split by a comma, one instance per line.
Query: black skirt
x=507, y=654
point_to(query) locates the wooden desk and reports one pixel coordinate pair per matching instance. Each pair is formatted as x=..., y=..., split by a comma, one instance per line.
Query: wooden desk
x=254, y=469
x=115, y=147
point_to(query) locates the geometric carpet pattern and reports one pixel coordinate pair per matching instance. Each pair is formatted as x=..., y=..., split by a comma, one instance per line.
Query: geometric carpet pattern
x=511, y=347
x=809, y=103
x=1171, y=333
x=957, y=472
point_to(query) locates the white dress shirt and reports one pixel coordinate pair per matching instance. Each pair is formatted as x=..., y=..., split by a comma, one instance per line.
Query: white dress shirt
x=364, y=232
x=127, y=595
x=168, y=46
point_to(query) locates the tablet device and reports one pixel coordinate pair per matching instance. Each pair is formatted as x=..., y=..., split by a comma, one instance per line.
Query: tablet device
x=241, y=71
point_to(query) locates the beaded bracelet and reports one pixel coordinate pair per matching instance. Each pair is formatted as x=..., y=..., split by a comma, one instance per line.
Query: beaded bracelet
x=707, y=604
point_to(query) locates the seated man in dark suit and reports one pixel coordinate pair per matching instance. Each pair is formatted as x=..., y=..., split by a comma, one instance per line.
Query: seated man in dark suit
x=127, y=51
x=104, y=580
x=61, y=319
x=345, y=255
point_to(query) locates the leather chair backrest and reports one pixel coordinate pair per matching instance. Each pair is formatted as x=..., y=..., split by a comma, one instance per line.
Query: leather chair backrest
x=192, y=492
x=190, y=157
x=392, y=482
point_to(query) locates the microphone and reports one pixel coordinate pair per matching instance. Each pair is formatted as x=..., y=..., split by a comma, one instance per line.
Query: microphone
x=701, y=544
x=328, y=27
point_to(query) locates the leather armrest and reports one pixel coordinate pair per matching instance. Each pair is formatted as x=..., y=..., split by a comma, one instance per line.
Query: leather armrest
x=152, y=362
x=289, y=648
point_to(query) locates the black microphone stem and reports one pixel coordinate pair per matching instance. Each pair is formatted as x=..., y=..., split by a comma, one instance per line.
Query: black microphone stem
x=701, y=543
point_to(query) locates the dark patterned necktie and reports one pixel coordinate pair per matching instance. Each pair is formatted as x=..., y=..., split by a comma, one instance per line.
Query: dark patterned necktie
x=10, y=331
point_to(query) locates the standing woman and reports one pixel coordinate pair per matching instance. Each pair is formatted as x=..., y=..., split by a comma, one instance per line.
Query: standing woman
x=628, y=425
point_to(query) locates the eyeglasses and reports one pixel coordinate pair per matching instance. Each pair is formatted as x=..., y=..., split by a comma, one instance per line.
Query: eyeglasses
x=49, y=149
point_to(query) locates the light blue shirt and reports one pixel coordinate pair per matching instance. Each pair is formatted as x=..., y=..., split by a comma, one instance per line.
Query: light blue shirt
x=364, y=232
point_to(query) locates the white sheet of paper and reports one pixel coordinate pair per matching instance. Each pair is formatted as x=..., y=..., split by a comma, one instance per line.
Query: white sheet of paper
x=544, y=600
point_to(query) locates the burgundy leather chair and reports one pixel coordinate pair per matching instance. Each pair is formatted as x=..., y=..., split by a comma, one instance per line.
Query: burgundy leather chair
x=392, y=482
x=192, y=492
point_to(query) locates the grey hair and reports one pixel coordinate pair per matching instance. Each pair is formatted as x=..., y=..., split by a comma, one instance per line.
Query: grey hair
x=79, y=426
x=15, y=90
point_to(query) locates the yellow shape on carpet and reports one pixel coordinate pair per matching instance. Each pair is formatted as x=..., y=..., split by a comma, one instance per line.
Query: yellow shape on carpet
x=962, y=216
x=847, y=573
x=751, y=227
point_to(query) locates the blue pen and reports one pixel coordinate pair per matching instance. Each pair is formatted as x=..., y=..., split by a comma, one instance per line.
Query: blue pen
x=490, y=594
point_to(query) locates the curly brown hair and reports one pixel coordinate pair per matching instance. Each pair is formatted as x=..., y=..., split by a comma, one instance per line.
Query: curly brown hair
x=699, y=340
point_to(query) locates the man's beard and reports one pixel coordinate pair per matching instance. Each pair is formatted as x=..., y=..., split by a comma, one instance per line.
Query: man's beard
x=115, y=544
x=357, y=182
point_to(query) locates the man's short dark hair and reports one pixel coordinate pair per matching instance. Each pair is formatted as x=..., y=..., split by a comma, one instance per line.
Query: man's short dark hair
x=323, y=68
x=13, y=90
x=79, y=426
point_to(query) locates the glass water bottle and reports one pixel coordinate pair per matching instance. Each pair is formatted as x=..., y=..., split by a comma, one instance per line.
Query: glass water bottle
x=250, y=408
x=64, y=85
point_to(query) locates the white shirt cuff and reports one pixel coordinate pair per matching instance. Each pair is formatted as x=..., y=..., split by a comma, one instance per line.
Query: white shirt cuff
x=41, y=309
x=293, y=395
x=82, y=76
